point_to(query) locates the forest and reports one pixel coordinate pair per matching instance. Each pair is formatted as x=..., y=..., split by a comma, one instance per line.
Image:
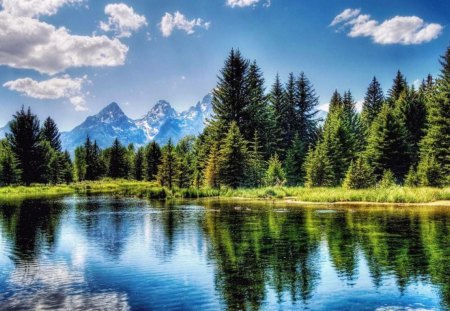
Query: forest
x=257, y=138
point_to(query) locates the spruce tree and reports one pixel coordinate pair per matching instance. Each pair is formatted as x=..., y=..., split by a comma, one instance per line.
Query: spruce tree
x=429, y=172
x=80, y=163
x=94, y=165
x=51, y=134
x=168, y=169
x=212, y=169
x=359, y=175
x=387, y=147
x=256, y=166
x=281, y=116
x=436, y=142
x=138, y=166
x=294, y=163
x=398, y=87
x=9, y=174
x=67, y=167
x=290, y=98
x=373, y=101
x=335, y=102
x=25, y=142
x=275, y=175
x=152, y=160
x=117, y=165
x=319, y=172
x=305, y=107
x=233, y=158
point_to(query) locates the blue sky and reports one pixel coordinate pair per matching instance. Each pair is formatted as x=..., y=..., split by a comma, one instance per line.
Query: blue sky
x=69, y=58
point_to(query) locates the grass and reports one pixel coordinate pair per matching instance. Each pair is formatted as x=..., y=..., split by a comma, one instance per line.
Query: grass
x=151, y=190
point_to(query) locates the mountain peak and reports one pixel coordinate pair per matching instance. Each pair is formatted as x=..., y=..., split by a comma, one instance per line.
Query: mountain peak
x=111, y=112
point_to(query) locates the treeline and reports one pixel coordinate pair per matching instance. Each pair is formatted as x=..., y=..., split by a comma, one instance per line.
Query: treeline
x=257, y=138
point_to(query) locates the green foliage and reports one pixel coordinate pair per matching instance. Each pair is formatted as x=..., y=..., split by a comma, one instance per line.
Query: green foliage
x=373, y=101
x=152, y=160
x=359, y=175
x=51, y=134
x=233, y=158
x=118, y=165
x=275, y=175
x=411, y=179
x=138, y=167
x=319, y=172
x=429, y=172
x=212, y=168
x=281, y=116
x=387, y=180
x=168, y=170
x=294, y=164
x=9, y=173
x=399, y=86
x=256, y=164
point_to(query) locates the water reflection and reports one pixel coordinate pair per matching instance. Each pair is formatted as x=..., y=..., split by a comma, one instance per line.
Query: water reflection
x=109, y=253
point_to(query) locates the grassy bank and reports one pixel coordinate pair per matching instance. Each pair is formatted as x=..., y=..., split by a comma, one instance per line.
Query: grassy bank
x=150, y=190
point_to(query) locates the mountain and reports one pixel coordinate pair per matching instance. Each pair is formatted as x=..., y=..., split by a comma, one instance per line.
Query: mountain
x=161, y=123
x=4, y=130
x=104, y=127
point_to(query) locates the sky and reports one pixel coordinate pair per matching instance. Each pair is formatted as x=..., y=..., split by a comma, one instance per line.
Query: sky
x=70, y=58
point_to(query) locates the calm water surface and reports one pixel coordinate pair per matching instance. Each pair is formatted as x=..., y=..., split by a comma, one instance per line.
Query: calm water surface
x=104, y=253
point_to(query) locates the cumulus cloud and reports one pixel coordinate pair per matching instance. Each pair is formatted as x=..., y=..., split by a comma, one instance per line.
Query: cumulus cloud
x=170, y=22
x=31, y=44
x=122, y=20
x=34, y=8
x=397, y=30
x=241, y=3
x=63, y=87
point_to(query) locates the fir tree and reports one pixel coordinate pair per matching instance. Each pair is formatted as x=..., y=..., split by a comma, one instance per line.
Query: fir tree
x=54, y=166
x=117, y=165
x=256, y=169
x=139, y=164
x=152, y=160
x=281, y=115
x=168, y=169
x=94, y=166
x=9, y=174
x=233, y=158
x=67, y=167
x=388, y=180
x=212, y=168
x=290, y=98
x=319, y=172
x=398, y=87
x=24, y=139
x=373, y=101
x=294, y=163
x=275, y=175
x=387, y=147
x=429, y=172
x=359, y=175
x=80, y=163
x=51, y=134
x=436, y=142
x=306, y=103
x=335, y=102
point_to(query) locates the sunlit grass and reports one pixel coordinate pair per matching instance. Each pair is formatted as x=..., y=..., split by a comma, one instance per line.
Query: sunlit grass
x=151, y=190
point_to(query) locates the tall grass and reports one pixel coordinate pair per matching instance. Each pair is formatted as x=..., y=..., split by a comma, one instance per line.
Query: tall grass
x=151, y=190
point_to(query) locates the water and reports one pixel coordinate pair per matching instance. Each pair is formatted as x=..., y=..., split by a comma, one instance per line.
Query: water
x=104, y=253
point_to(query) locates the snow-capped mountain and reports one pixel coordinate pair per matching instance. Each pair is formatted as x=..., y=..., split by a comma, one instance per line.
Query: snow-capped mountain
x=161, y=123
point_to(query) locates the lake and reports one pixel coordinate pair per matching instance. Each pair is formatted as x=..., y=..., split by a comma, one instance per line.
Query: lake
x=105, y=253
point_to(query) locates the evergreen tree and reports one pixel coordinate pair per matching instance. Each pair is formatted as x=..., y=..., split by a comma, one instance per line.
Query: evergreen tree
x=152, y=160
x=94, y=165
x=139, y=164
x=372, y=103
x=398, y=87
x=411, y=179
x=335, y=102
x=388, y=180
x=306, y=103
x=255, y=172
x=290, y=103
x=184, y=150
x=80, y=163
x=294, y=163
x=230, y=98
x=9, y=174
x=275, y=175
x=233, y=158
x=117, y=165
x=387, y=147
x=429, y=172
x=51, y=134
x=168, y=169
x=281, y=116
x=212, y=170
x=319, y=172
x=67, y=167
x=436, y=143
x=411, y=110
x=359, y=175
x=25, y=143
x=54, y=166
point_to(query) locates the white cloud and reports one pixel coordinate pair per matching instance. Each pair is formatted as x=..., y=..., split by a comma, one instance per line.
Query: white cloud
x=32, y=44
x=241, y=3
x=63, y=87
x=34, y=8
x=397, y=30
x=170, y=22
x=122, y=20
x=345, y=16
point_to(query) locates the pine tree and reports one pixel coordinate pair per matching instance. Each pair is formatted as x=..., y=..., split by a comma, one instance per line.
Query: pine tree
x=139, y=165
x=290, y=98
x=429, y=172
x=233, y=158
x=67, y=167
x=281, y=116
x=94, y=165
x=436, y=142
x=306, y=103
x=398, y=87
x=168, y=170
x=51, y=134
x=411, y=179
x=388, y=180
x=335, y=102
x=212, y=168
x=117, y=165
x=359, y=175
x=294, y=163
x=275, y=175
x=387, y=147
x=372, y=103
x=256, y=167
x=152, y=160
x=230, y=97
x=319, y=172
x=9, y=174
x=25, y=143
